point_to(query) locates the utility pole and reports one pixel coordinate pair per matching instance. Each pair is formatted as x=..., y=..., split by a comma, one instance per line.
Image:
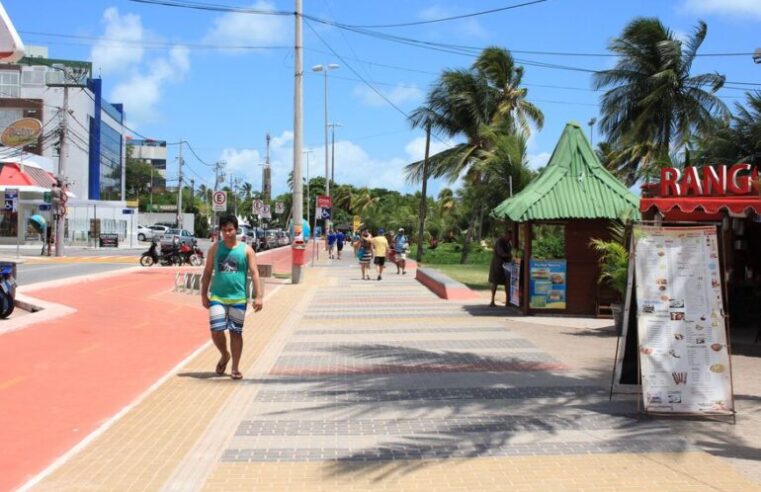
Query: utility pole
x=308, y=152
x=333, y=152
x=298, y=141
x=192, y=193
x=267, y=175
x=591, y=124
x=179, y=190
x=60, y=211
x=151, y=189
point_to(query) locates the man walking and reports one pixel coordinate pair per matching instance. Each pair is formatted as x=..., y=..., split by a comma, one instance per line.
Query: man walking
x=401, y=245
x=380, y=246
x=340, y=238
x=229, y=261
x=331, y=244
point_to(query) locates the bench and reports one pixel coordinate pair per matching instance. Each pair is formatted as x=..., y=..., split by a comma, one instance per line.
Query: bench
x=190, y=282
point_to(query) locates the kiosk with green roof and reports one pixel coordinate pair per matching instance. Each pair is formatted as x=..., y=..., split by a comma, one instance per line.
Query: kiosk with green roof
x=573, y=200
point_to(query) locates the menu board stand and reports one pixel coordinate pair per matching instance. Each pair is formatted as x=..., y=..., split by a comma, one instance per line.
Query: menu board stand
x=682, y=329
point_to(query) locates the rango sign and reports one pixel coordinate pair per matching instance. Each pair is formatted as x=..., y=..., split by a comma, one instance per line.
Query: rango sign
x=738, y=179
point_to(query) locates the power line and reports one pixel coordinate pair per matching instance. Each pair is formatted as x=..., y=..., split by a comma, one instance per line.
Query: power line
x=213, y=7
x=196, y=155
x=454, y=17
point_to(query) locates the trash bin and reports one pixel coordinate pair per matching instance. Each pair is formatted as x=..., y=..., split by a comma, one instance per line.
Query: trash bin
x=299, y=252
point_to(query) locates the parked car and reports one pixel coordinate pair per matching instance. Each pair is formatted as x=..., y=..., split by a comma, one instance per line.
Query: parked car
x=270, y=238
x=144, y=233
x=184, y=236
x=158, y=231
x=245, y=233
x=283, y=239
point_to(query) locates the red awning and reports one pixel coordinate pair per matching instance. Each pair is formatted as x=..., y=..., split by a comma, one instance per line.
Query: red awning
x=735, y=205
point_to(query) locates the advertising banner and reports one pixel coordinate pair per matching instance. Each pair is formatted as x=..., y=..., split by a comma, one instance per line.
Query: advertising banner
x=683, y=353
x=515, y=282
x=547, y=284
x=323, y=201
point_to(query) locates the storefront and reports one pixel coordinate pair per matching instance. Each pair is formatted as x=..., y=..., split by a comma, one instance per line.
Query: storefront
x=573, y=200
x=728, y=197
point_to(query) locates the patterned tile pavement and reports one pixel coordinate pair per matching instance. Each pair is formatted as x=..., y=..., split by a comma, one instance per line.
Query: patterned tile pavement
x=362, y=385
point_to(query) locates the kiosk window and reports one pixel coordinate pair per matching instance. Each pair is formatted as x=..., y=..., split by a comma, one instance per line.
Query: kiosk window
x=548, y=241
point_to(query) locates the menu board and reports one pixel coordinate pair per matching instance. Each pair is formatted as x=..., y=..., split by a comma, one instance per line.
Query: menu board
x=683, y=353
x=515, y=282
x=547, y=284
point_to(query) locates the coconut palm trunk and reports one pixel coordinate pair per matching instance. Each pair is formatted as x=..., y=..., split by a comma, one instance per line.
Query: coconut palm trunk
x=423, y=198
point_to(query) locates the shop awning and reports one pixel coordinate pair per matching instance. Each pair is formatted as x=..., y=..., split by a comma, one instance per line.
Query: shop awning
x=734, y=205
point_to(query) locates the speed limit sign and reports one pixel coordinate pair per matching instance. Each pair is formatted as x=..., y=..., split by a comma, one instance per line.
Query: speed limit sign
x=219, y=201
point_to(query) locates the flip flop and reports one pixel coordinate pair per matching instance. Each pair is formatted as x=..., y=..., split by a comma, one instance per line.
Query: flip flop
x=236, y=375
x=221, y=366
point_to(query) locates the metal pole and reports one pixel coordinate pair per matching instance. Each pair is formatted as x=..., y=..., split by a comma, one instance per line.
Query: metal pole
x=298, y=140
x=151, y=209
x=327, y=176
x=307, y=152
x=333, y=154
x=59, y=217
x=179, y=192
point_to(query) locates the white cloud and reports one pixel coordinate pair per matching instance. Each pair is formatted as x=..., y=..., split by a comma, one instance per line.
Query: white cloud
x=535, y=161
x=119, y=48
x=399, y=95
x=238, y=29
x=416, y=148
x=141, y=92
x=738, y=8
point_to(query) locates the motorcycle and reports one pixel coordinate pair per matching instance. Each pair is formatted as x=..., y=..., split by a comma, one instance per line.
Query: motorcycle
x=168, y=255
x=191, y=255
x=7, y=290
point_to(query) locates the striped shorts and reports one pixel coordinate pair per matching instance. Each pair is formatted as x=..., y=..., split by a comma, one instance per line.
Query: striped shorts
x=226, y=317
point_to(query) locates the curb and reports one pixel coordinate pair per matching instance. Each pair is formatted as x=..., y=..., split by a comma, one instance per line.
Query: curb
x=443, y=286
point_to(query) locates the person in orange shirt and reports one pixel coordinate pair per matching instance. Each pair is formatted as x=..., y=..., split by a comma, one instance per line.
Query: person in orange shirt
x=379, y=244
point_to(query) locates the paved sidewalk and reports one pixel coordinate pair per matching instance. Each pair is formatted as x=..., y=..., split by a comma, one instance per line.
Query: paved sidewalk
x=368, y=385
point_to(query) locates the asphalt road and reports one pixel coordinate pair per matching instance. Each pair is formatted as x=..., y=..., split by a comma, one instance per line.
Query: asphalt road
x=32, y=274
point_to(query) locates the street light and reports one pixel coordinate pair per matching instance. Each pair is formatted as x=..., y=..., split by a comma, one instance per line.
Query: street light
x=757, y=56
x=325, y=69
x=591, y=124
x=308, y=152
x=333, y=150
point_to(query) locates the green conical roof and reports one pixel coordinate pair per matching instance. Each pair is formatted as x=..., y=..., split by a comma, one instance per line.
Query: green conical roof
x=574, y=185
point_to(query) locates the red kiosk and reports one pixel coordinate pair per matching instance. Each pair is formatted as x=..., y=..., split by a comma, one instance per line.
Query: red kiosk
x=730, y=197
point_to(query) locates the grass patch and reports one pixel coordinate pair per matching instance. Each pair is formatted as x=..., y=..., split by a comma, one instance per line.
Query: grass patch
x=449, y=254
x=475, y=277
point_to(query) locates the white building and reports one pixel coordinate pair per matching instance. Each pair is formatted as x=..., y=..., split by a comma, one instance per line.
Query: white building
x=96, y=140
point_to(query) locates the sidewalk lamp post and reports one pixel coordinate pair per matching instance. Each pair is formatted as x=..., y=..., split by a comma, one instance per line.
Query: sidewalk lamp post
x=325, y=69
x=333, y=150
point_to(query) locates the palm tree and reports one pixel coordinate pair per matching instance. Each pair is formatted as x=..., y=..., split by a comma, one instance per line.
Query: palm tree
x=737, y=141
x=478, y=104
x=653, y=102
x=246, y=190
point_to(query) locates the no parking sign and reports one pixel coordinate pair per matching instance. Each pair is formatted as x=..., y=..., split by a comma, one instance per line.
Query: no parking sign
x=219, y=201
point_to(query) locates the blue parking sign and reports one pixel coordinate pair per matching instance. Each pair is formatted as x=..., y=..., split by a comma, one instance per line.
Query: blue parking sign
x=326, y=213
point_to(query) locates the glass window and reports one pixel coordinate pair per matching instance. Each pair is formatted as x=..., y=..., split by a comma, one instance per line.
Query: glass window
x=33, y=76
x=9, y=83
x=110, y=163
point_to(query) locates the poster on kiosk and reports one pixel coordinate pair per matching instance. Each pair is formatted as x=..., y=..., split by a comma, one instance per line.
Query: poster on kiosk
x=682, y=334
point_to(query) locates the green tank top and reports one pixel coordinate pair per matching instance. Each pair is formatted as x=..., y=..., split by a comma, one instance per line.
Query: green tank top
x=230, y=269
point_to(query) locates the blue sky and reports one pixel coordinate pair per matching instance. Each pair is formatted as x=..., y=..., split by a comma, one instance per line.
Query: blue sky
x=166, y=65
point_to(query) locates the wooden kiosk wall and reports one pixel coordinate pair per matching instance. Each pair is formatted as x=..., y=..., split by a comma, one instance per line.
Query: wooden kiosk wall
x=582, y=272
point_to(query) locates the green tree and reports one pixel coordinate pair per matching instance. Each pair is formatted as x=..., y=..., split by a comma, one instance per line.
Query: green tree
x=653, y=102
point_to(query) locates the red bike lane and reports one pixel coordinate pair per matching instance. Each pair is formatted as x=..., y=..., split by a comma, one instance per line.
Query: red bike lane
x=61, y=379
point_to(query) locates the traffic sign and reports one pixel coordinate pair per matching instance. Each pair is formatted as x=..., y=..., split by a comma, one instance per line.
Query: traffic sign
x=266, y=212
x=356, y=222
x=323, y=201
x=11, y=199
x=325, y=213
x=219, y=201
x=43, y=207
x=128, y=211
x=279, y=207
x=258, y=207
